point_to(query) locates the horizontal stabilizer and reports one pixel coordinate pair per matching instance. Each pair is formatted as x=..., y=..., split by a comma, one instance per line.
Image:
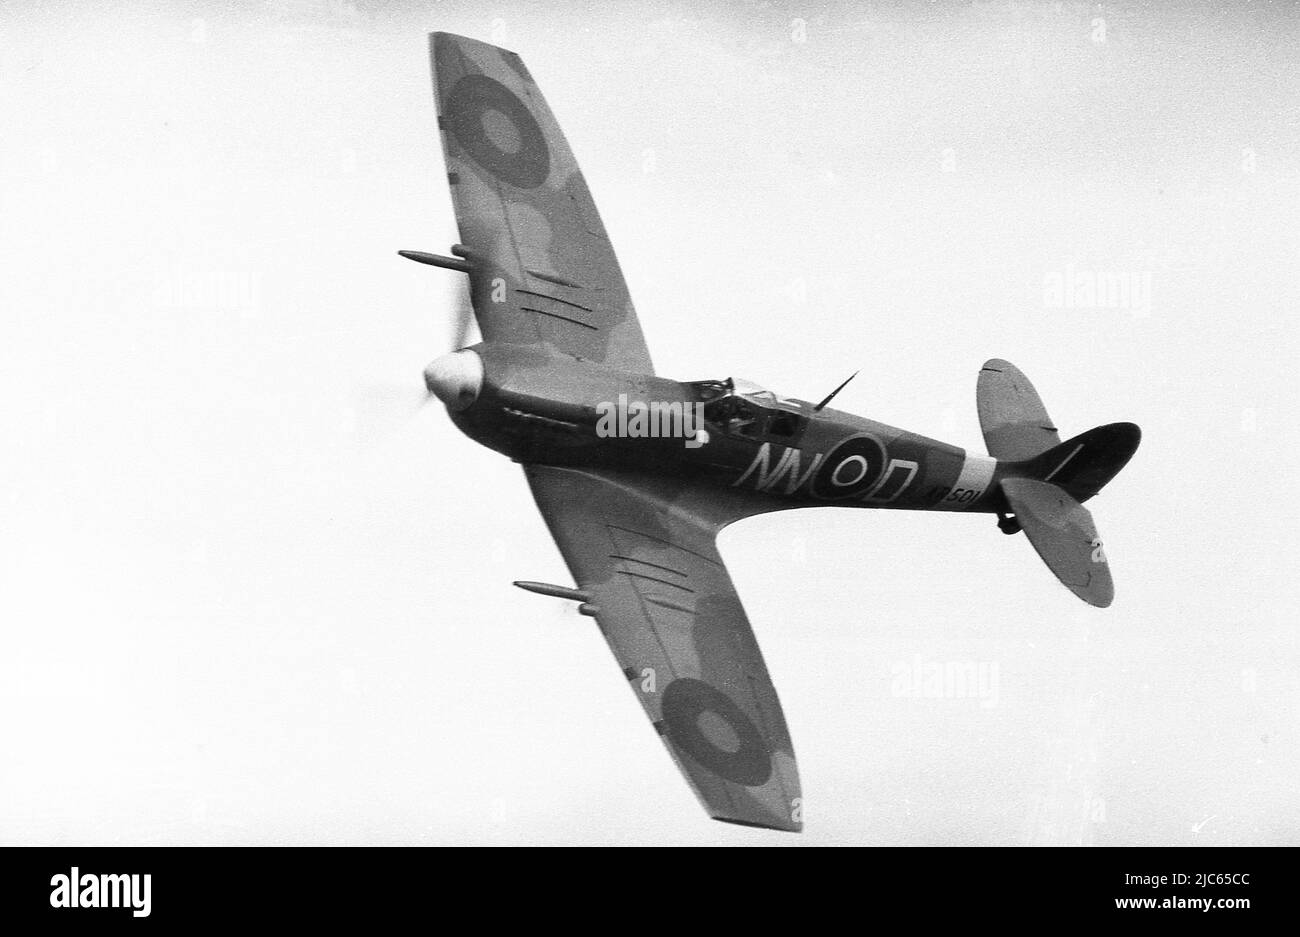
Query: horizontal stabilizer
x=1063, y=533
x=1015, y=422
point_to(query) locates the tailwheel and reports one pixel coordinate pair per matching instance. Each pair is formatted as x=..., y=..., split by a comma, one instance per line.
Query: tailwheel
x=1008, y=525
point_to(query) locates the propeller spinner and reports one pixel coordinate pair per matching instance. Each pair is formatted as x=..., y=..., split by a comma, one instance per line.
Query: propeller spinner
x=455, y=379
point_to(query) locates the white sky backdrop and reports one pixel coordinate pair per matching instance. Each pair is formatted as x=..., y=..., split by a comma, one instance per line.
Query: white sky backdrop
x=243, y=600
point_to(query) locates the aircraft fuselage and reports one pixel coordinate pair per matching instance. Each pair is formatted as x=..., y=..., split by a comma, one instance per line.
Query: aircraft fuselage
x=541, y=407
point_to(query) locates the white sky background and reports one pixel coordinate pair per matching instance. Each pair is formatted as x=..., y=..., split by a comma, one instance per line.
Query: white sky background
x=245, y=601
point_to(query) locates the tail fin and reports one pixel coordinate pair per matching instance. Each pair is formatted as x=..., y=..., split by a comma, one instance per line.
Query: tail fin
x=1083, y=465
x=1063, y=533
x=1049, y=479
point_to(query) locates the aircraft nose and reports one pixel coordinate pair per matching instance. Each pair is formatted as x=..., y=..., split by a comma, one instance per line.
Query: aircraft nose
x=455, y=379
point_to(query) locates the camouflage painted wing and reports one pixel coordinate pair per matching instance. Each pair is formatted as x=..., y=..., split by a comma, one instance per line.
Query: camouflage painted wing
x=645, y=551
x=542, y=268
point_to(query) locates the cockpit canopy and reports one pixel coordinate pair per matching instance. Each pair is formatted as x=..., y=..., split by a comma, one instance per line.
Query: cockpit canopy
x=742, y=408
x=751, y=391
x=737, y=387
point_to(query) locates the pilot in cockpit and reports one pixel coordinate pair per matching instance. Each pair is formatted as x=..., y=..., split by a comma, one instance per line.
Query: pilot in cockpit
x=729, y=408
x=741, y=421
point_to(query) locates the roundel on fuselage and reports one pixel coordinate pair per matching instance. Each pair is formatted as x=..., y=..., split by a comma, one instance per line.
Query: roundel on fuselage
x=852, y=468
x=498, y=131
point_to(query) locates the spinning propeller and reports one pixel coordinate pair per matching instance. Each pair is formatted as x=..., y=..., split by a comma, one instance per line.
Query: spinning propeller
x=456, y=377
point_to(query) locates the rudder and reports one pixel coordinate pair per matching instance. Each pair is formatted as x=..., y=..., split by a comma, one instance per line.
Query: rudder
x=1085, y=464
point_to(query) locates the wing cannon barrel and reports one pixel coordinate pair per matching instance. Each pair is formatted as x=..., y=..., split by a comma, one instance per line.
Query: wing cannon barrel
x=437, y=260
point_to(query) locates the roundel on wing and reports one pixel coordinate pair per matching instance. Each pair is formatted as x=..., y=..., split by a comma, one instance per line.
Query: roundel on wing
x=498, y=131
x=708, y=725
x=851, y=468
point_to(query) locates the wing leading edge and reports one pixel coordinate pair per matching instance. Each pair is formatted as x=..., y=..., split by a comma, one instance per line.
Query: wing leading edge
x=542, y=267
x=647, y=556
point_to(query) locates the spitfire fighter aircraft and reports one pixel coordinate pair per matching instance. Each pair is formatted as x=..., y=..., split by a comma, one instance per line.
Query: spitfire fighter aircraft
x=635, y=474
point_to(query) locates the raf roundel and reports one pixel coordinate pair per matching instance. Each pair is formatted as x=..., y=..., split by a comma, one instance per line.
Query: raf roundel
x=498, y=131
x=708, y=725
x=852, y=468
